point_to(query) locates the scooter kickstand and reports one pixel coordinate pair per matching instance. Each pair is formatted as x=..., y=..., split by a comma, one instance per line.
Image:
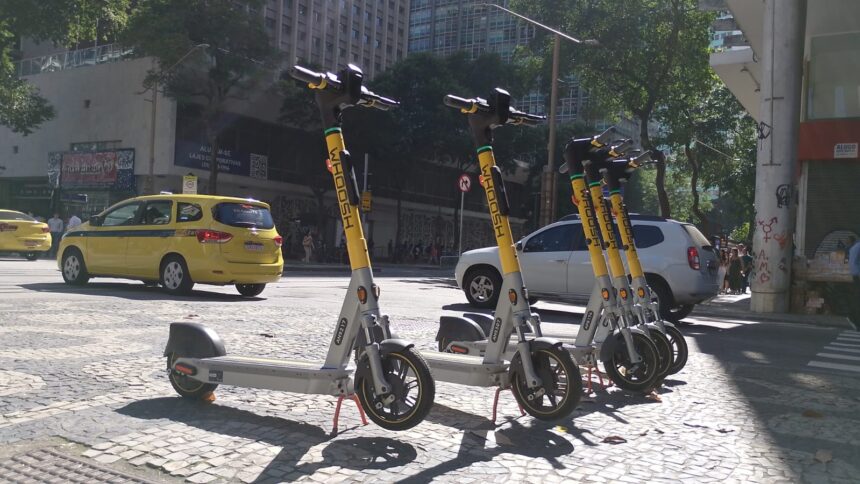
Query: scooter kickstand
x=354, y=398
x=496, y=403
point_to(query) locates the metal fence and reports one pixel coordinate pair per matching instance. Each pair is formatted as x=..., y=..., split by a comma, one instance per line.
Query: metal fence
x=71, y=59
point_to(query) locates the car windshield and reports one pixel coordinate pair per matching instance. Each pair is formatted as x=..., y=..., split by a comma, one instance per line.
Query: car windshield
x=244, y=215
x=10, y=215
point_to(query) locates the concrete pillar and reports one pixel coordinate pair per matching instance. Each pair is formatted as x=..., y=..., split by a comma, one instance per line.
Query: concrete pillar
x=782, y=61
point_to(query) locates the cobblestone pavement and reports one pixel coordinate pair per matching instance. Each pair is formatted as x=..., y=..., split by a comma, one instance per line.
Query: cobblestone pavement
x=81, y=374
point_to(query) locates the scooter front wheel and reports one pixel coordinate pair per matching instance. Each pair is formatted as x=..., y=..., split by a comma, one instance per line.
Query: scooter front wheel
x=634, y=377
x=185, y=385
x=665, y=355
x=561, y=387
x=679, y=349
x=412, y=387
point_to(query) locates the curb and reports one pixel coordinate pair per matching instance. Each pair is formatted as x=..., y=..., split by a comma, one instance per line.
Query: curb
x=813, y=319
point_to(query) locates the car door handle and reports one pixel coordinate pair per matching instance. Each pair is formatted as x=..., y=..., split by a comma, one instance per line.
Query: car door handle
x=559, y=260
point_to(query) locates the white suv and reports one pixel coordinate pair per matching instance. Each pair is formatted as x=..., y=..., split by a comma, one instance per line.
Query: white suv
x=679, y=263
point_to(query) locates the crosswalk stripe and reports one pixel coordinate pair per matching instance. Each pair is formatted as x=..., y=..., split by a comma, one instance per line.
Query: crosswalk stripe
x=851, y=337
x=835, y=366
x=843, y=343
x=838, y=357
x=842, y=349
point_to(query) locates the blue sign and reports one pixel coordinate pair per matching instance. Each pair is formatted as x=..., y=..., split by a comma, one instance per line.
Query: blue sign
x=192, y=154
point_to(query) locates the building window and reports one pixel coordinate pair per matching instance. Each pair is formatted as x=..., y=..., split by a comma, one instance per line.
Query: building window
x=302, y=9
x=270, y=23
x=834, y=78
x=355, y=34
x=288, y=5
x=285, y=29
x=316, y=42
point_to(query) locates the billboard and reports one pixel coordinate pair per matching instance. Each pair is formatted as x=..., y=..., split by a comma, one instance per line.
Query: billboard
x=192, y=154
x=109, y=169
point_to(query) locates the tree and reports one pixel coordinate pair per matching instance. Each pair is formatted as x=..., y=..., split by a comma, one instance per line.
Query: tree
x=62, y=22
x=646, y=50
x=236, y=61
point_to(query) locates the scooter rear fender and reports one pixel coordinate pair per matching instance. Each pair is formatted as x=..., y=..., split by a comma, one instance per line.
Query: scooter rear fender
x=194, y=340
x=456, y=328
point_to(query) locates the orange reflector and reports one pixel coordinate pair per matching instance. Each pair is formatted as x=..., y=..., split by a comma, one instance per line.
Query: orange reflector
x=605, y=294
x=623, y=293
x=512, y=295
x=362, y=294
x=185, y=369
x=641, y=292
x=459, y=349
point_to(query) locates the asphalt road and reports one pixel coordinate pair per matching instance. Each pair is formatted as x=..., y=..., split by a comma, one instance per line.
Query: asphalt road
x=759, y=401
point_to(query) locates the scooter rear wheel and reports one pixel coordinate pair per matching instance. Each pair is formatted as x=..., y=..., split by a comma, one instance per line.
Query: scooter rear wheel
x=412, y=386
x=639, y=377
x=679, y=349
x=185, y=386
x=561, y=387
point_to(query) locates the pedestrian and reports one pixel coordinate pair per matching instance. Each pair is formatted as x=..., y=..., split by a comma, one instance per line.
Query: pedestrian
x=55, y=226
x=308, y=245
x=747, y=266
x=854, y=268
x=370, y=245
x=391, y=250
x=74, y=221
x=735, y=272
x=721, y=272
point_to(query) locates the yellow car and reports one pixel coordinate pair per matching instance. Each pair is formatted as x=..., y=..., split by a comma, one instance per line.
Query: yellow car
x=177, y=241
x=23, y=234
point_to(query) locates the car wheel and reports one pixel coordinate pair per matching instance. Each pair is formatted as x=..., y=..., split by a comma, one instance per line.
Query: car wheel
x=250, y=290
x=31, y=256
x=482, y=286
x=175, y=277
x=678, y=312
x=74, y=268
x=661, y=291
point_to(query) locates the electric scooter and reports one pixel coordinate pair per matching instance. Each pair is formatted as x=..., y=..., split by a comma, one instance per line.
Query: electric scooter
x=392, y=381
x=605, y=334
x=615, y=174
x=541, y=374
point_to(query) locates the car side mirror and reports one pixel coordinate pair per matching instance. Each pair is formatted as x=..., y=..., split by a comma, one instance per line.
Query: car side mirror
x=95, y=220
x=519, y=246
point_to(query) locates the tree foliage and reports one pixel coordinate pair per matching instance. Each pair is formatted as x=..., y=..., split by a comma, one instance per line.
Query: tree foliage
x=237, y=55
x=62, y=22
x=648, y=51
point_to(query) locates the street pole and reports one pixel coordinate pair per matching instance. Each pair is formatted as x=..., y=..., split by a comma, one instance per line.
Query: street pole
x=149, y=187
x=782, y=63
x=549, y=202
x=460, y=243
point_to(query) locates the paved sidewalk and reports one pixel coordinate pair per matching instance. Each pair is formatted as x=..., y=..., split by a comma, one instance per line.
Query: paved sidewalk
x=738, y=307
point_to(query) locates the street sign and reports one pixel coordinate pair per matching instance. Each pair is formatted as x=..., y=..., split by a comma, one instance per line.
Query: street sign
x=189, y=185
x=464, y=183
x=365, y=202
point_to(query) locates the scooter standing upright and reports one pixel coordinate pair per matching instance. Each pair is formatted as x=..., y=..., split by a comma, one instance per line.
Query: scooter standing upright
x=392, y=381
x=543, y=377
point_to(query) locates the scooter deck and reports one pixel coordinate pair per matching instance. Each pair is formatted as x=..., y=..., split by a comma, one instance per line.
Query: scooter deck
x=273, y=374
x=465, y=369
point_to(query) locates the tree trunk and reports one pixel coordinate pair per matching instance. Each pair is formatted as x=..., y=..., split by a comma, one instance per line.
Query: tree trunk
x=660, y=182
x=212, y=139
x=694, y=189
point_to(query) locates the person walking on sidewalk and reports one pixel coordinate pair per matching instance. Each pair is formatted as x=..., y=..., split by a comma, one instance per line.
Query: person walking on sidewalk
x=308, y=245
x=74, y=221
x=55, y=225
x=735, y=272
x=746, y=268
x=854, y=267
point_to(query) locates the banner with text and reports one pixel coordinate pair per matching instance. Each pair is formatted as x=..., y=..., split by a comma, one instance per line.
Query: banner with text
x=111, y=169
x=197, y=155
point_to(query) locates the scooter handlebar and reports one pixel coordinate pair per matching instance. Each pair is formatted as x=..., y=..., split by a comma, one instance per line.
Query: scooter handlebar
x=468, y=106
x=318, y=80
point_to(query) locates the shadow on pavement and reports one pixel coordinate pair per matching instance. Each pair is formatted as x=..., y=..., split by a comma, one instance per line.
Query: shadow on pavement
x=135, y=292
x=294, y=438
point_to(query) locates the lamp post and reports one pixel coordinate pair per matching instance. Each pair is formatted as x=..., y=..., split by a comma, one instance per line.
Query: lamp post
x=548, y=198
x=149, y=185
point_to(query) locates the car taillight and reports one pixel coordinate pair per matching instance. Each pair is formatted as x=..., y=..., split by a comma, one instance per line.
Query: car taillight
x=693, y=258
x=45, y=230
x=279, y=241
x=212, y=236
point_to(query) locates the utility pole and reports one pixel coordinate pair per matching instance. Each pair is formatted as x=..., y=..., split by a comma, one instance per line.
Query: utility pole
x=782, y=57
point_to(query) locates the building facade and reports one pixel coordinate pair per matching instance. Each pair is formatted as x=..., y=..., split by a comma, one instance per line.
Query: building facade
x=447, y=26
x=821, y=195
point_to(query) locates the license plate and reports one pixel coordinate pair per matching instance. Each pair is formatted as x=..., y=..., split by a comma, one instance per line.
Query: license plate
x=31, y=243
x=253, y=246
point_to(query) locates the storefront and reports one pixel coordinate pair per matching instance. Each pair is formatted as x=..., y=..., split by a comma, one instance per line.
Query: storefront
x=28, y=195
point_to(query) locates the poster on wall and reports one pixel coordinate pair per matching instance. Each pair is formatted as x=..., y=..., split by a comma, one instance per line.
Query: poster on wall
x=197, y=155
x=109, y=169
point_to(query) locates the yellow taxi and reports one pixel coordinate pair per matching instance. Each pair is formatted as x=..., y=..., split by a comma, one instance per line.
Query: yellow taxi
x=23, y=234
x=177, y=241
